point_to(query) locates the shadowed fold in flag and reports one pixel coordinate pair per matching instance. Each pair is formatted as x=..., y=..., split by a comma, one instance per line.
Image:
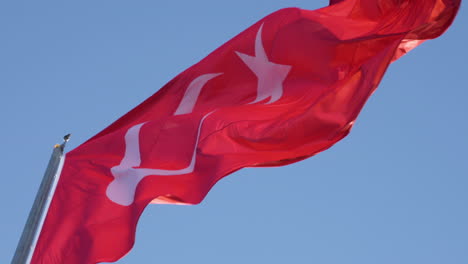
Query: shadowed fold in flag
x=286, y=88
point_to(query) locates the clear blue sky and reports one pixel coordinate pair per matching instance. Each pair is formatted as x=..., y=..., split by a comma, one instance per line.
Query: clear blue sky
x=394, y=191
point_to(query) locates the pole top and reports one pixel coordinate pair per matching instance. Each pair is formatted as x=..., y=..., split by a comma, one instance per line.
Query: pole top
x=66, y=138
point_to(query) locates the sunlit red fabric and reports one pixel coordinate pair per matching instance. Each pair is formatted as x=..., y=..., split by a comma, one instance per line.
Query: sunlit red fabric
x=319, y=68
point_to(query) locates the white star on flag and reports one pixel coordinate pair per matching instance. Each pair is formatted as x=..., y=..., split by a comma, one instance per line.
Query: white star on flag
x=270, y=75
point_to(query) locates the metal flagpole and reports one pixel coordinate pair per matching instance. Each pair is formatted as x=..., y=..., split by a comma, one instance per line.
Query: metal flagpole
x=33, y=226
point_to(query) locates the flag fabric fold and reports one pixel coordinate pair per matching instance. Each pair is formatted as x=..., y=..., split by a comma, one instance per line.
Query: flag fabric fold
x=285, y=89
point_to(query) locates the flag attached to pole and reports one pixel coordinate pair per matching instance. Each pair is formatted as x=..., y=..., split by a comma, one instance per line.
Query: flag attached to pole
x=283, y=90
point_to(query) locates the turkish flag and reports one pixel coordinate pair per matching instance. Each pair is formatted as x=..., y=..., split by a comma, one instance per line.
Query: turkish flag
x=283, y=90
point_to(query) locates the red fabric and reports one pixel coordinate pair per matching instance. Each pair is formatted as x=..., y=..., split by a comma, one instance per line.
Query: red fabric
x=318, y=69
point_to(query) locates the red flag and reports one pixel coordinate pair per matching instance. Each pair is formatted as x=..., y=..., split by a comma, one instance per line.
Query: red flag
x=283, y=90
